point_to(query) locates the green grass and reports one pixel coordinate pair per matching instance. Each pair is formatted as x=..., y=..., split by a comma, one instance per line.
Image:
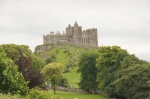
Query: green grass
x=60, y=95
x=62, y=57
x=73, y=77
x=68, y=95
x=67, y=55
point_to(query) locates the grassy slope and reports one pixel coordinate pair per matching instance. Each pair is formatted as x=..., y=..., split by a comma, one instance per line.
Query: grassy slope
x=64, y=54
x=62, y=57
x=73, y=77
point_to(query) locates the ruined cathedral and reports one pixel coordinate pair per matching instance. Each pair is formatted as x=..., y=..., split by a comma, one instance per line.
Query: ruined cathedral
x=74, y=36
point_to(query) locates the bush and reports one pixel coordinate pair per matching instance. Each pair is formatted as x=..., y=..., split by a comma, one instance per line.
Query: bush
x=63, y=82
x=37, y=93
x=48, y=60
x=8, y=96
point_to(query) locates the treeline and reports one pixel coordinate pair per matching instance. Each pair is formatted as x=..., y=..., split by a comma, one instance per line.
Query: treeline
x=115, y=72
x=20, y=72
x=110, y=70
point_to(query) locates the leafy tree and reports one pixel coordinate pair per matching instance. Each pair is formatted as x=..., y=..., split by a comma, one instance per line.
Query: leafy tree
x=131, y=60
x=11, y=81
x=107, y=65
x=51, y=58
x=48, y=60
x=53, y=73
x=28, y=64
x=87, y=67
x=134, y=82
x=63, y=82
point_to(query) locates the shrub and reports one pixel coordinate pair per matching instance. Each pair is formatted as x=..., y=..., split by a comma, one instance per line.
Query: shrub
x=8, y=96
x=63, y=82
x=37, y=93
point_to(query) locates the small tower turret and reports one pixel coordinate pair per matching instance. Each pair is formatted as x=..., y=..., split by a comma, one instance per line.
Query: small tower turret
x=69, y=25
x=75, y=24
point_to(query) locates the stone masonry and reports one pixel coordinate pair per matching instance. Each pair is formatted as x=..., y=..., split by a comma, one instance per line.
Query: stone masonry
x=74, y=36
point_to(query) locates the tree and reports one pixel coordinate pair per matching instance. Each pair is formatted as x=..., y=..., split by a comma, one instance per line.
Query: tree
x=28, y=64
x=53, y=72
x=107, y=65
x=48, y=60
x=51, y=58
x=11, y=81
x=134, y=82
x=88, y=70
x=130, y=60
x=63, y=82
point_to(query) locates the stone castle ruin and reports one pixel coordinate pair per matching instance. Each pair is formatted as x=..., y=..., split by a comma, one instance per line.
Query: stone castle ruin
x=74, y=36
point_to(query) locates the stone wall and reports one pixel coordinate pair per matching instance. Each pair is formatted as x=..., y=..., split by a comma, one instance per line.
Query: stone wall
x=73, y=36
x=45, y=47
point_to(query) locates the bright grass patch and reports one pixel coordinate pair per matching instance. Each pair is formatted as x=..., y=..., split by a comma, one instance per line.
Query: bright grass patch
x=73, y=77
x=68, y=95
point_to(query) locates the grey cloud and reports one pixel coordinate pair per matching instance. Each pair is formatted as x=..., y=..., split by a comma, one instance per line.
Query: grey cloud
x=120, y=22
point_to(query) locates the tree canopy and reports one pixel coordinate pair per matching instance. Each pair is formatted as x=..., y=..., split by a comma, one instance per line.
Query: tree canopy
x=122, y=75
x=28, y=64
x=11, y=81
x=107, y=65
x=87, y=67
x=53, y=73
x=134, y=82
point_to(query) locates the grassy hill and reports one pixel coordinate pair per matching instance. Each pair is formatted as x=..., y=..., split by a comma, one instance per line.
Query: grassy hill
x=68, y=56
x=73, y=77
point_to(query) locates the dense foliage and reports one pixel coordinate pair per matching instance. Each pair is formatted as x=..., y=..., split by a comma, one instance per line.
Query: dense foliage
x=107, y=65
x=122, y=75
x=134, y=82
x=111, y=70
x=28, y=64
x=87, y=67
x=53, y=73
x=63, y=82
x=9, y=96
x=11, y=81
x=119, y=74
x=37, y=93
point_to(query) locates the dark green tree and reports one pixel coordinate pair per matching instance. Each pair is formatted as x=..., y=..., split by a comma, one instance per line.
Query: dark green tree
x=88, y=70
x=63, y=82
x=11, y=81
x=28, y=64
x=49, y=60
x=107, y=65
x=130, y=60
x=134, y=82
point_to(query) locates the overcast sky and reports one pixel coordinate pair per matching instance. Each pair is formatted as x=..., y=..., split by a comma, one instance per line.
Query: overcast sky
x=125, y=23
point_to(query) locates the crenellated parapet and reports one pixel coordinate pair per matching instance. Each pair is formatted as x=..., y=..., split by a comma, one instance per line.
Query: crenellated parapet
x=74, y=35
